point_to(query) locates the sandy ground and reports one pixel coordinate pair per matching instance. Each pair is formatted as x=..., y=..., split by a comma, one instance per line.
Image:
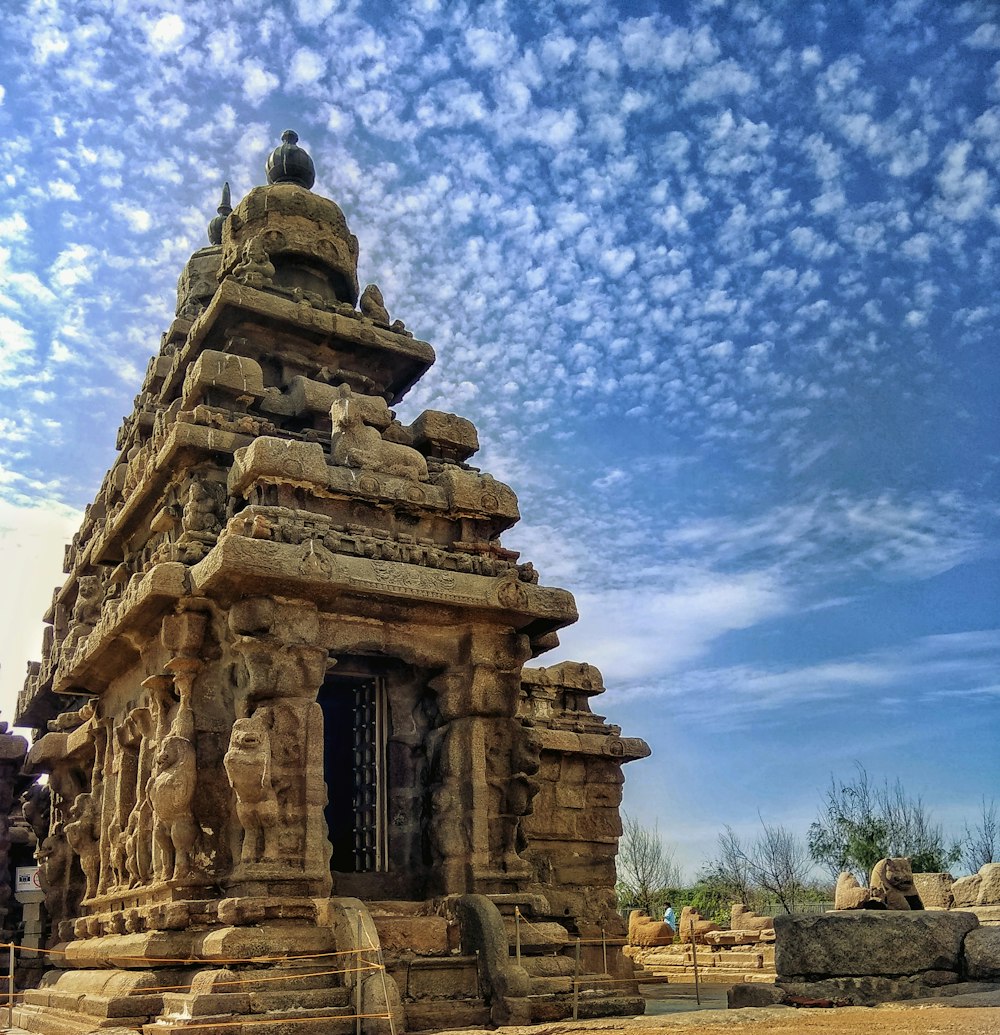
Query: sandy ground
x=963, y=1015
x=854, y=1020
x=847, y=1021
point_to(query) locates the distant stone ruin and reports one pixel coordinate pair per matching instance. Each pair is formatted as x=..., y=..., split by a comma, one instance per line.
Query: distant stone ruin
x=904, y=937
x=283, y=708
x=742, y=953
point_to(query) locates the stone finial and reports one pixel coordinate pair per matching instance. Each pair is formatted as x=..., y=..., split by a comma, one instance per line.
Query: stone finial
x=224, y=209
x=289, y=163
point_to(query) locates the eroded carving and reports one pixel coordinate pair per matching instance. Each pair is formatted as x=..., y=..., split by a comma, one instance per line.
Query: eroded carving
x=248, y=766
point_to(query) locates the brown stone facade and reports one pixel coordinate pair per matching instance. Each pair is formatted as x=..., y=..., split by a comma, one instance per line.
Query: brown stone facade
x=286, y=667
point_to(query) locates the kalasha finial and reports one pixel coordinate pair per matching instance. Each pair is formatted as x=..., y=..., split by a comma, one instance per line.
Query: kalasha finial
x=289, y=163
x=225, y=207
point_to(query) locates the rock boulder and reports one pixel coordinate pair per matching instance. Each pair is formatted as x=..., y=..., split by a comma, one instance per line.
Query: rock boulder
x=982, y=954
x=867, y=943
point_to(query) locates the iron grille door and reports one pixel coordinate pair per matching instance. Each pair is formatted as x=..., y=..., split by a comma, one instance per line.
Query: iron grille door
x=369, y=798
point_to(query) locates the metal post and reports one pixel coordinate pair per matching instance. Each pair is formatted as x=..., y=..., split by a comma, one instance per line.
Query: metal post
x=10, y=986
x=694, y=959
x=604, y=947
x=385, y=991
x=357, y=983
x=517, y=934
x=576, y=983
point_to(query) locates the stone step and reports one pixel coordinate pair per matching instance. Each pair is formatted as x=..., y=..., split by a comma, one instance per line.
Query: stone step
x=537, y=937
x=323, y=973
x=547, y=1008
x=335, y=1021
x=52, y=1021
x=551, y=985
x=437, y=976
x=203, y=1004
x=548, y=966
x=436, y=1015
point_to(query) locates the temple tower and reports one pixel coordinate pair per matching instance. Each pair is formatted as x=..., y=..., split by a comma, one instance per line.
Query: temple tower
x=286, y=667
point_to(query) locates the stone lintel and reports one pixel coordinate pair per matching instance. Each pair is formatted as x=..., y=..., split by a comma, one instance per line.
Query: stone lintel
x=310, y=571
x=404, y=359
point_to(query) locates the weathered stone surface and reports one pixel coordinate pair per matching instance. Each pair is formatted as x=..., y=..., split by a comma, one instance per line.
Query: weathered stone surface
x=869, y=990
x=982, y=954
x=867, y=943
x=966, y=890
x=989, y=887
x=756, y=995
x=935, y=889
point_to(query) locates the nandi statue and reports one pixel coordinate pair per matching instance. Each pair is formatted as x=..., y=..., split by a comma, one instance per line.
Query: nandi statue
x=358, y=423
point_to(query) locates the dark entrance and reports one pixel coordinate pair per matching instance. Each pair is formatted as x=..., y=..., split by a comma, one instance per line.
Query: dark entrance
x=354, y=762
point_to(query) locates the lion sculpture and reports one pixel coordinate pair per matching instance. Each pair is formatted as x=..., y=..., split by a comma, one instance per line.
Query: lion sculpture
x=248, y=766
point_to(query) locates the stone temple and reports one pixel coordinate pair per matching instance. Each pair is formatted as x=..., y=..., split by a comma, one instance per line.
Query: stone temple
x=283, y=709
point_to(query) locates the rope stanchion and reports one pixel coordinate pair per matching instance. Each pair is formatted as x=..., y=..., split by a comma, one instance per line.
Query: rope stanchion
x=10, y=986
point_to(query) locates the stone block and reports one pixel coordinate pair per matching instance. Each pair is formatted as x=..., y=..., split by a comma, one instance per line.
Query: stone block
x=966, y=890
x=454, y=978
x=934, y=889
x=756, y=995
x=571, y=796
x=869, y=943
x=444, y=434
x=412, y=933
x=989, y=885
x=235, y=375
x=982, y=954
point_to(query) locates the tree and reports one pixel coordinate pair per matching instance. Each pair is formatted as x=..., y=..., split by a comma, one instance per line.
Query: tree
x=773, y=867
x=981, y=843
x=861, y=822
x=646, y=868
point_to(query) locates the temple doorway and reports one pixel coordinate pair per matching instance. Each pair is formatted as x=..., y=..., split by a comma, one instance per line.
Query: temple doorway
x=355, y=768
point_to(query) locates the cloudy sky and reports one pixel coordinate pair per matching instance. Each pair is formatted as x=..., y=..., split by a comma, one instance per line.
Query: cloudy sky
x=716, y=280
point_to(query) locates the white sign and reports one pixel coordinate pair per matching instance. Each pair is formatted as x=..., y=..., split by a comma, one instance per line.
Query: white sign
x=27, y=879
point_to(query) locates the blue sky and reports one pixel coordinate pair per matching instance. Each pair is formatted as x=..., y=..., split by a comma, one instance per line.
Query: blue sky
x=717, y=281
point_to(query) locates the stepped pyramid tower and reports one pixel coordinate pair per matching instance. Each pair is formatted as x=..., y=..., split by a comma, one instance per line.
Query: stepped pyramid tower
x=283, y=706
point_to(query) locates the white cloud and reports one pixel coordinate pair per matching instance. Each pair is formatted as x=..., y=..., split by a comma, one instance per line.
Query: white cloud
x=32, y=539
x=963, y=191
x=725, y=77
x=166, y=34
x=306, y=68
x=257, y=82
x=646, y=632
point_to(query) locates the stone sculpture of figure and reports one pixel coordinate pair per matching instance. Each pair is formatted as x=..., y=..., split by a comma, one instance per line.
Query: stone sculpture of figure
x=248, y=766
x=255, y=269
x=373, y=305
x=83, y=832
x=850, y=895
x=895, y=878
x=171, y=791
x=36, y=807
x=86, y=611
x=55, y=858
x=358, y=421
x=138, y=844
x=199, y=514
